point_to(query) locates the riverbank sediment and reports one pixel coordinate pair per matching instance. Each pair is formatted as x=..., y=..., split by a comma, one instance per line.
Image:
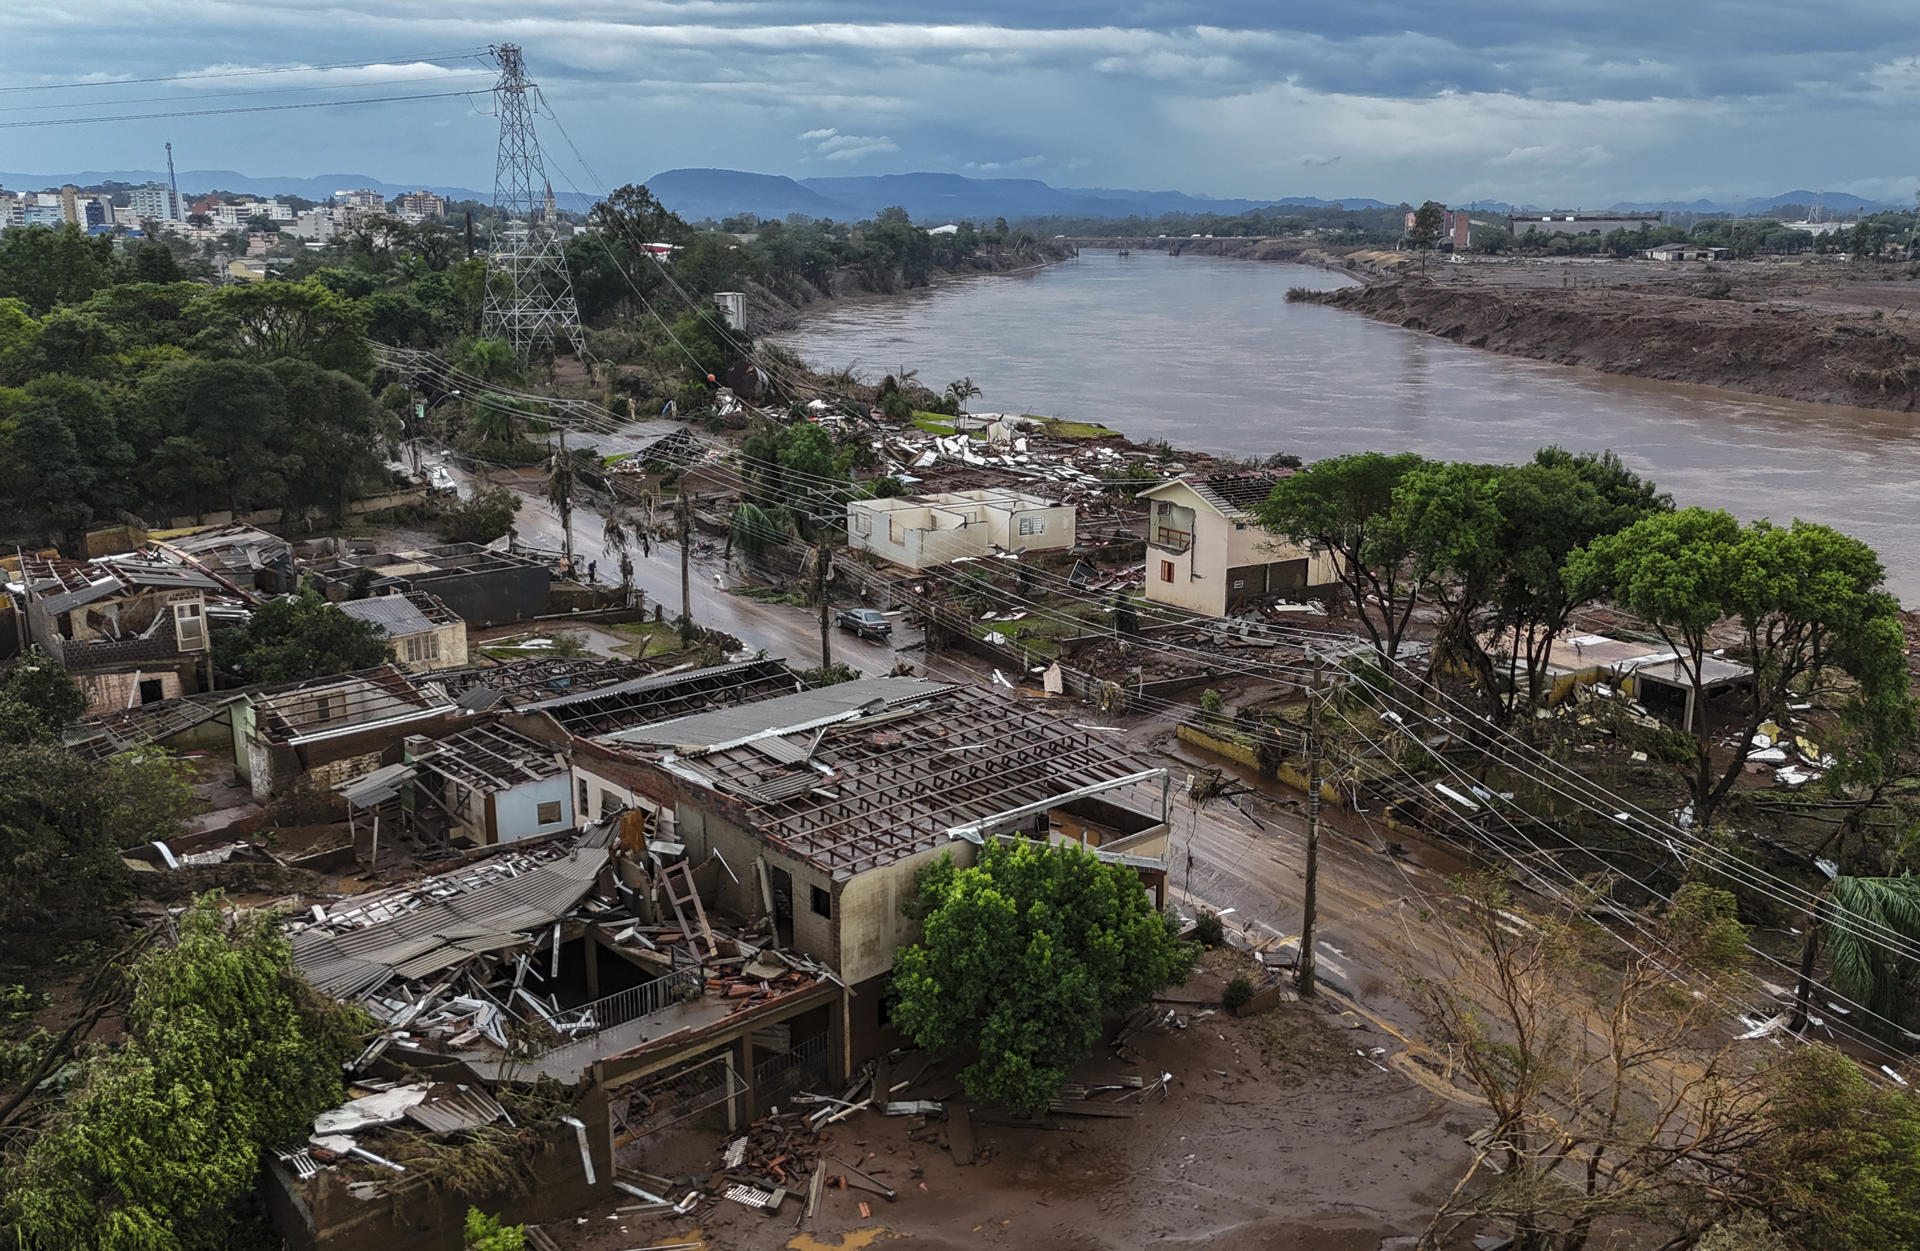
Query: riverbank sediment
x=1794, y=351
x=773, y=312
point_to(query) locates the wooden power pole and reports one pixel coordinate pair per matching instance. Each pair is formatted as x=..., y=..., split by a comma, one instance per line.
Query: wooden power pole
x=684, y=506
x=1303, y=969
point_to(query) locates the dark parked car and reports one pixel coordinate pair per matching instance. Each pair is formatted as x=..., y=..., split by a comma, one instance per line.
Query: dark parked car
x=868, y=623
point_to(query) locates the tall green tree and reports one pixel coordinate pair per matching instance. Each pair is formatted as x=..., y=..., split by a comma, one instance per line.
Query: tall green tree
x=37, y=700
x=295, y=638
x=227, y=1054
x=1341, y=505
x=63, y=822
x=1022, y=954
x=1810, y=603
x=1841, y=1169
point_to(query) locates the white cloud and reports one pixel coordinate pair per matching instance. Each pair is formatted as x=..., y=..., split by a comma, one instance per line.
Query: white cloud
x=810, y=136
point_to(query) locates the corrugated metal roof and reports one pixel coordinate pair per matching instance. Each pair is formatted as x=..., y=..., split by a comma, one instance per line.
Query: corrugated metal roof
x=394, y=614
x=377, y=787
x=347, y=964
x=784, y=749
x=452, y=1108
x=708, y=731
x=106, y=588
x=651, y=682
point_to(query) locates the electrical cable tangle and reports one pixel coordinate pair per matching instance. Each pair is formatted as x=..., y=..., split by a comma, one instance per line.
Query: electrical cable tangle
x=1768, y=885
x=1529, y=872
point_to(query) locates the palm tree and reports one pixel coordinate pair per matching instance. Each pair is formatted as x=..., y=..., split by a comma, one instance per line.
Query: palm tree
x=959, y=392
x=1856, y=914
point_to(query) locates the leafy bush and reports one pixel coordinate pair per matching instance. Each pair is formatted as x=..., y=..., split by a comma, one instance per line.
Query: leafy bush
x=1239, y=993
x=1210, y=929
x=480, y=518
x=486, y=1233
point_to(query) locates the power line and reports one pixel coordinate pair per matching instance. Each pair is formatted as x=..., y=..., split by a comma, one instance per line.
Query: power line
x=255, y=108
x=252, y=73
x=229, y=95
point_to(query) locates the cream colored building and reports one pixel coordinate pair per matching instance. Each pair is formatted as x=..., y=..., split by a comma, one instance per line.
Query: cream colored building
x=919, y=531
x=421, y=632
x=1207, y=552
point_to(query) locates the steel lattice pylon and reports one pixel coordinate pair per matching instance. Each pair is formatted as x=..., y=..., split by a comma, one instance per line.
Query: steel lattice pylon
x=529, y=293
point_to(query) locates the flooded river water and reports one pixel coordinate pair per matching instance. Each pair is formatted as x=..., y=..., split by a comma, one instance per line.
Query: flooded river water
x=1206, y=353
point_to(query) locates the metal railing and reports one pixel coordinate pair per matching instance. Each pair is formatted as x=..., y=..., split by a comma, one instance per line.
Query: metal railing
x=642, y=1000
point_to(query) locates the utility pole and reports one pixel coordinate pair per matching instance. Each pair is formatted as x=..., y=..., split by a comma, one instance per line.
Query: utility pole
x=1303, y=969
x=820, y=559
x=684, y=506
x=562, y=489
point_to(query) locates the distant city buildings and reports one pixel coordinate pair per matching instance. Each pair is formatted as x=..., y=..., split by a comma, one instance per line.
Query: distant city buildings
x=366, y=199
x=421, y=206
x=154, y=201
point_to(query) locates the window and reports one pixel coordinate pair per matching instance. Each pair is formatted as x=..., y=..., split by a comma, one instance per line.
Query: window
x=863, y=522
x=583, y=809
x=608, y=801
x=548, y=813
x=423, y=647
x=189, y=630
x=822, y=901
x=1033, y=525
x=1166, y=571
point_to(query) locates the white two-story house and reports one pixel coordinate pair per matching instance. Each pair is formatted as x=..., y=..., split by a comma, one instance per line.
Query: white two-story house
x=1207, y=552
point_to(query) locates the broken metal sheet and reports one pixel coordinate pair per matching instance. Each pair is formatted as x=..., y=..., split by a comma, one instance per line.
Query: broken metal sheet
x=384, y=1108
x=914, y=1107
x=452, y=1108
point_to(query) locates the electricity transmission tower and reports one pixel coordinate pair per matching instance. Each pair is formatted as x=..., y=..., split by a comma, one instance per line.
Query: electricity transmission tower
x=529, y=295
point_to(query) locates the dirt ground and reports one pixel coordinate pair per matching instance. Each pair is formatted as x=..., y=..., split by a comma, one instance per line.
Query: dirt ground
x=1805, y=329
x=1279, y=1131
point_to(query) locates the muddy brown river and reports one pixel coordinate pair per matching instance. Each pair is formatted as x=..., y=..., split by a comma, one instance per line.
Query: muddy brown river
x=1206, y=353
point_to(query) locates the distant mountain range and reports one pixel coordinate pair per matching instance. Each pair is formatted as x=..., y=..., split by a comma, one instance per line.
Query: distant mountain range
x=930, y=198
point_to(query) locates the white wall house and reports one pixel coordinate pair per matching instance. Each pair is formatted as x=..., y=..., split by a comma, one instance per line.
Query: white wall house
x=1207, y=552
x=919, y=531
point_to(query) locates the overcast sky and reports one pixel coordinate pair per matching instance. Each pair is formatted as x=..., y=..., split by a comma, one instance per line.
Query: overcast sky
x=1560, y=102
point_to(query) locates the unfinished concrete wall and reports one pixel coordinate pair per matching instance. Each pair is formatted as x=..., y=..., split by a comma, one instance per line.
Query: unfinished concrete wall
x=870, y=924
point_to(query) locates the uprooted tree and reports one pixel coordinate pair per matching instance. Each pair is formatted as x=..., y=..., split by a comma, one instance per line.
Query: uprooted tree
x=227, y=1053
x=1022, y=955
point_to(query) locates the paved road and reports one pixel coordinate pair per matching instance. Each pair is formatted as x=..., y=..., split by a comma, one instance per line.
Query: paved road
x=782, y=630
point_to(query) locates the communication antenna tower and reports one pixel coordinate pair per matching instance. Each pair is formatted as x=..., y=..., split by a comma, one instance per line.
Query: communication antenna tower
x=529, y=295
x=175, y=211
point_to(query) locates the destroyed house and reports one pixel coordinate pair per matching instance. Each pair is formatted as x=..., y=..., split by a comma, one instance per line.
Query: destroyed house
x=496, y=784
x=484, y=587
x=245, y=556
x=659, y=696
x=129, y=630
x=317, y=733
x=1206, y=549
x=584, y=959
x=516, y=683
x=420, y=631
x=820, y=807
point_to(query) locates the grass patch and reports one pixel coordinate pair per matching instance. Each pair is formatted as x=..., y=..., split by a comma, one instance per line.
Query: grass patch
x=770, y=595
x=1060, y=428
x=940, y=423
x=647, y=638
x=523, y=646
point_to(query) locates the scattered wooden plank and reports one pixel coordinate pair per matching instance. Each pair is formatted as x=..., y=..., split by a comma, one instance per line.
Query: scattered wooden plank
x=960, y=1132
